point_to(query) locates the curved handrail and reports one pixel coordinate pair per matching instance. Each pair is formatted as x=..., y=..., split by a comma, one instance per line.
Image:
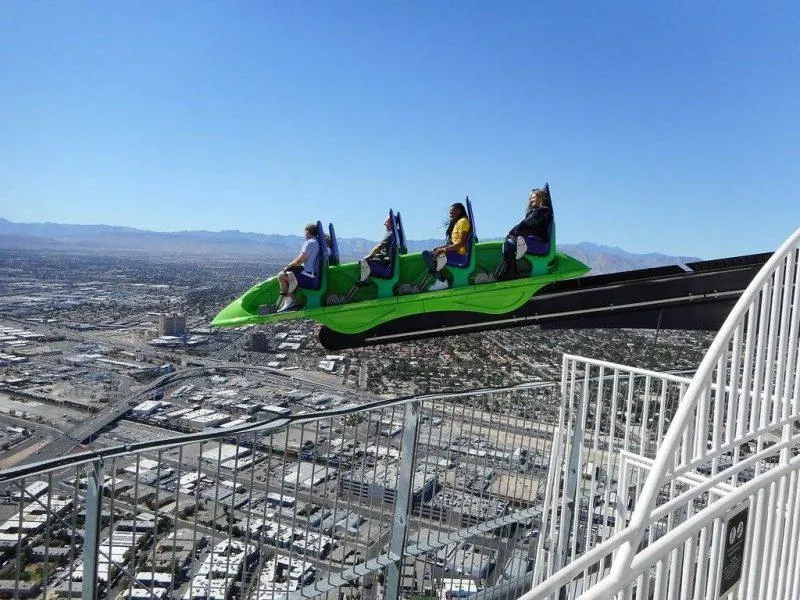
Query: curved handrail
x=686, y=529
x=629, y=538
x=669, y=444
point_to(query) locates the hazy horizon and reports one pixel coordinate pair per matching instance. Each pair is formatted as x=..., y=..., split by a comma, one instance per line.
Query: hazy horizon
x=582, y=243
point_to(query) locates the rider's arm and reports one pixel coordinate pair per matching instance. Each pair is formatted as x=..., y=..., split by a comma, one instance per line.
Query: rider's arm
x=537, y=216
x=457, y=239
x=533, y=218
x=299, y=261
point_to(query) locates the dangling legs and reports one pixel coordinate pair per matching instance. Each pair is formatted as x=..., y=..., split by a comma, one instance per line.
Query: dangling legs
x=432, y=262
x=288, y=282
x=282, y=281
x=435, y=264
x=507, y=269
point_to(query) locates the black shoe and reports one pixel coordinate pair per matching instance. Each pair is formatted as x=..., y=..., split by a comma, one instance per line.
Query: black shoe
x=508, y=270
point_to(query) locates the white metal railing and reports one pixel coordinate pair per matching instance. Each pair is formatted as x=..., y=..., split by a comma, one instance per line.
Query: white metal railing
x=729, y=448
x=607, y=410
x=299, y=507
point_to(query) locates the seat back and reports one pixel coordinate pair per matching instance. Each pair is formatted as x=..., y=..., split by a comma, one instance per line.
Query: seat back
x=551, y=230
x=322, y=258
x=473, y=235
x=394, y=247
x=552, y=227
x=333, y=255
x=400, y=234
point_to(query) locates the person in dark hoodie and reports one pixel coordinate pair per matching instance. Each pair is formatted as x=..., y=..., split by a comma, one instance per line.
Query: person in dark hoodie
x=534, y=229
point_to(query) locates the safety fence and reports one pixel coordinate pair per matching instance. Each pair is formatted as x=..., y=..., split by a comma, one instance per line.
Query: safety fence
x=401, y=496
x=462, y=491
x=712, y=508
x=608, y=411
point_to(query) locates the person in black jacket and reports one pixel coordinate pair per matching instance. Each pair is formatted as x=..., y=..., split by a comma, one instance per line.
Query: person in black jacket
x=534, y=229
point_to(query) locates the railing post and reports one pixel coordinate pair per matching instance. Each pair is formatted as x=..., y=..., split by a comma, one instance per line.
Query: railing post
x=92, y=528
x=403, y=503
x=573, y=476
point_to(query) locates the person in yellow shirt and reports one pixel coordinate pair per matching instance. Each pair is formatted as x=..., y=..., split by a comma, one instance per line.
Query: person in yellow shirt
x=454, y=249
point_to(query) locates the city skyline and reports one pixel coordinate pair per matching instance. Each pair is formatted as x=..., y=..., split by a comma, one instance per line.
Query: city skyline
x=668, y=128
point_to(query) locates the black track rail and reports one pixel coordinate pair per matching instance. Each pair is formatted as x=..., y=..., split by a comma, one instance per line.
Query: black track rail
x=694, y=296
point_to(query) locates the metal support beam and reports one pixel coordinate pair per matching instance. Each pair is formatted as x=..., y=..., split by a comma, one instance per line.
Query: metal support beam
x=92, y=527
x=573, y=475
x=402, y=507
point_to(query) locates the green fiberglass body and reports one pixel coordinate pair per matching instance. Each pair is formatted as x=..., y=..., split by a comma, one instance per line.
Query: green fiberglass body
x=344, y=305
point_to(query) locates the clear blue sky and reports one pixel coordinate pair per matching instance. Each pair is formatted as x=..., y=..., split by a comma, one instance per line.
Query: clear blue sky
x=661, y=126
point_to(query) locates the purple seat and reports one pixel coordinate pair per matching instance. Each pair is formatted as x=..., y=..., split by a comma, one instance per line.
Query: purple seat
x=536, y=245
x=310, y=283
x=333, y=254
x=380, y=268
x=454, y=259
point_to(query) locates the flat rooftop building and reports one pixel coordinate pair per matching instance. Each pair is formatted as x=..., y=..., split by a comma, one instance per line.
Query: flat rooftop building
x=308, y=474
x=223, y=452
x=145, y=409
x=379, y=482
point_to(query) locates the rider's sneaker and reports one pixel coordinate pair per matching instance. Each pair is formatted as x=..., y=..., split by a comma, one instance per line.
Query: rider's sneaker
x=287, y=304
x=439, y=285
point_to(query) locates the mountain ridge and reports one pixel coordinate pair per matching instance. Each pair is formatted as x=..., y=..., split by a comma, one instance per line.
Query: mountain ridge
x=235, y=243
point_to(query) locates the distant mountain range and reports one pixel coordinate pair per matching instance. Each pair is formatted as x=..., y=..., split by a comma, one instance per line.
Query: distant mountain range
x=258, y=246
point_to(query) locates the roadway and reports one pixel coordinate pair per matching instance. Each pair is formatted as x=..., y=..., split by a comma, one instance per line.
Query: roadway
x=65, y=442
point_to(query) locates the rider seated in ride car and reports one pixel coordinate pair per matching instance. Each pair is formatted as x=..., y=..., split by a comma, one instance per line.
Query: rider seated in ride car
x=300, y=272
x=379, y=259
x=454, y=249
x=534, y=229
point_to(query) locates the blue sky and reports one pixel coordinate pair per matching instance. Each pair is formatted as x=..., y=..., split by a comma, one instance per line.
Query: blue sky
x=661, y=126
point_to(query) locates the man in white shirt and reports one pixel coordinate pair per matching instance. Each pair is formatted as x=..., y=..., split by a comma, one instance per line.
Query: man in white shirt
x=301, y=271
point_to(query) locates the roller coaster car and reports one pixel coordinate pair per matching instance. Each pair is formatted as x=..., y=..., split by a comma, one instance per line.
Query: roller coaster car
x=348, y=299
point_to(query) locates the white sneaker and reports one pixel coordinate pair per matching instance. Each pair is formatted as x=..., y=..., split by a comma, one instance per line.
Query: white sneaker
x=287, y=304
x=286, y=307
x=439, y=285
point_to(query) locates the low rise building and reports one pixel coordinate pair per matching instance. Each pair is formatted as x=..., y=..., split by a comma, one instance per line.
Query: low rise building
x=145, y=409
